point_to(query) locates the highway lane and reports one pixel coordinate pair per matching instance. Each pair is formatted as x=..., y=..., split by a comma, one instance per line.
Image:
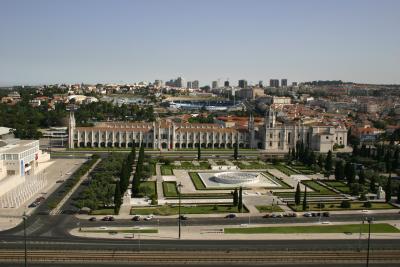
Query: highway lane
x=198, y=265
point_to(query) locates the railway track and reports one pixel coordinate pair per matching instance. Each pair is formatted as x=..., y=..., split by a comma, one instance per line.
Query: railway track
x=265, y=257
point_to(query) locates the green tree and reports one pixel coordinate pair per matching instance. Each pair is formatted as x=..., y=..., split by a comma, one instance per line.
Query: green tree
x=305, y=199
x=199, y=152
x=339, y=170
x=388, y=189
x=328, y=162
x=297, y=195
x=350, y=172
x=398, y=194
x=372, y=184
x=361, y=176
x=236, y=152
x=117, y=198
x=240, y=201
x=235, y=197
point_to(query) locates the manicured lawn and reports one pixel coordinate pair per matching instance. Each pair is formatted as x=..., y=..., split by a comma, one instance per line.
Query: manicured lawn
x=188, y=165
x=220, y=162
x=334, y=206
x=318, y=187
x=198, y=183
x=195, y=209
x=132, y=231
x=170, y=189
x=302, y=169
x=279, y=181
x=166, y=170
x=282, y=168
x=342, y=187
x=346, y=228
x=149, y=187
x=252, y=165
x=107, y=211
x=269, y=208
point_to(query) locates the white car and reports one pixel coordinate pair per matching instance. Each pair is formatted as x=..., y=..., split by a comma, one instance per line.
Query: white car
x=148, y=218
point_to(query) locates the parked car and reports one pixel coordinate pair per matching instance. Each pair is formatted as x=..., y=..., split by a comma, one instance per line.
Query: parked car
x=231, y=216
x=33, y=205
x=111, y=218
x=136, y=218
x=108, y=218
x=92, y=219
x=326, y=214
x=307, y=214
x=267, y=215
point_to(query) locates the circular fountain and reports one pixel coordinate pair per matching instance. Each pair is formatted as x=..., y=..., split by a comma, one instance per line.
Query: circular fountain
x=236, y=177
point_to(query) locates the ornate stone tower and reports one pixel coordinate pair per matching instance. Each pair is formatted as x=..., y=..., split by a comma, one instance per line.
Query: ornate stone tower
x=251, y=131
x=71, y=130
x=270, y=118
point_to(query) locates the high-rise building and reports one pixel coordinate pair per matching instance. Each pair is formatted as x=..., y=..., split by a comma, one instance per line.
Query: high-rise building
x=242, y=84
x=260, y=84
x=284, y=82
x=158, y=83
x=274, y=83
x=294, y=83
x=195, y=84
x=180, y=82
x=189, y=85
x=226, y=84
x=214, y=84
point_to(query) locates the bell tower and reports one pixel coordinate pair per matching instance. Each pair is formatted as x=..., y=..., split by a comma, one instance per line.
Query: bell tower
x=251, y=131
x=71, y=130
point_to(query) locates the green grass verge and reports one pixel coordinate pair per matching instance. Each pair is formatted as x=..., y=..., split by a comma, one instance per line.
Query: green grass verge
x=131, y=231
x=196, y=209
x=252, y=165
x=269, y=208
x=335, y=206
x=279, y=181
x=106, y=211
x=346, y=228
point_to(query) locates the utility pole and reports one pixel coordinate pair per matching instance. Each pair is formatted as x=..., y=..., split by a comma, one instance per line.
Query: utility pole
x=24, y=217
x=369, y=220
x=179, y=209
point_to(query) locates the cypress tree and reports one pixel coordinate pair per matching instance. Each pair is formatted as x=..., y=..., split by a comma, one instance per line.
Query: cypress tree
x=372, y=186
x=236, y=152
x=328, y=162
x=293, y=153
x=388, y=189
x=133, y=153
x=297, y=195
x=240, y=201
x=398, y=194
x=117, y=198
x=350, y=172
x=235, y=198
x=339, y=170
x=198, y=152
x=305, y=199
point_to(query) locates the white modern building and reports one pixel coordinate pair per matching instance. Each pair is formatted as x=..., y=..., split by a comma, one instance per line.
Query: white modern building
x=19, y=160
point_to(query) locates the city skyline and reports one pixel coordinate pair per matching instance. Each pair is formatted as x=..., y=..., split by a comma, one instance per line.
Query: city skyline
x=125, y=42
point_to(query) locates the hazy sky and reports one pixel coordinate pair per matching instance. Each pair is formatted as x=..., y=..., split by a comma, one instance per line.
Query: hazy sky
x=126, y=41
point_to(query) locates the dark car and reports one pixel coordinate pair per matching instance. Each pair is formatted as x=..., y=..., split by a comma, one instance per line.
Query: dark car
x=231, y=216
x=111, y=218
x=106, y=218
x=183, y=217
x=92, y=219
x=326, y=214
x=136, y=218
x=267, y=215
x=33, y=205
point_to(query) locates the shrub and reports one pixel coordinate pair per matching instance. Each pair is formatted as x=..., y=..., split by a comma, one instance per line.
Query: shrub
x=367, y=204
x=345, y=204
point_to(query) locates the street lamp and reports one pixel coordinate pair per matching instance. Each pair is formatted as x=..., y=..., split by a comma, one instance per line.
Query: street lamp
x=369, y=220
x=179, y=186
x=24, y=217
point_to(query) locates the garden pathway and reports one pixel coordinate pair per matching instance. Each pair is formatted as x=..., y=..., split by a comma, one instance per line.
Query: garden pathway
x=160, y=192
